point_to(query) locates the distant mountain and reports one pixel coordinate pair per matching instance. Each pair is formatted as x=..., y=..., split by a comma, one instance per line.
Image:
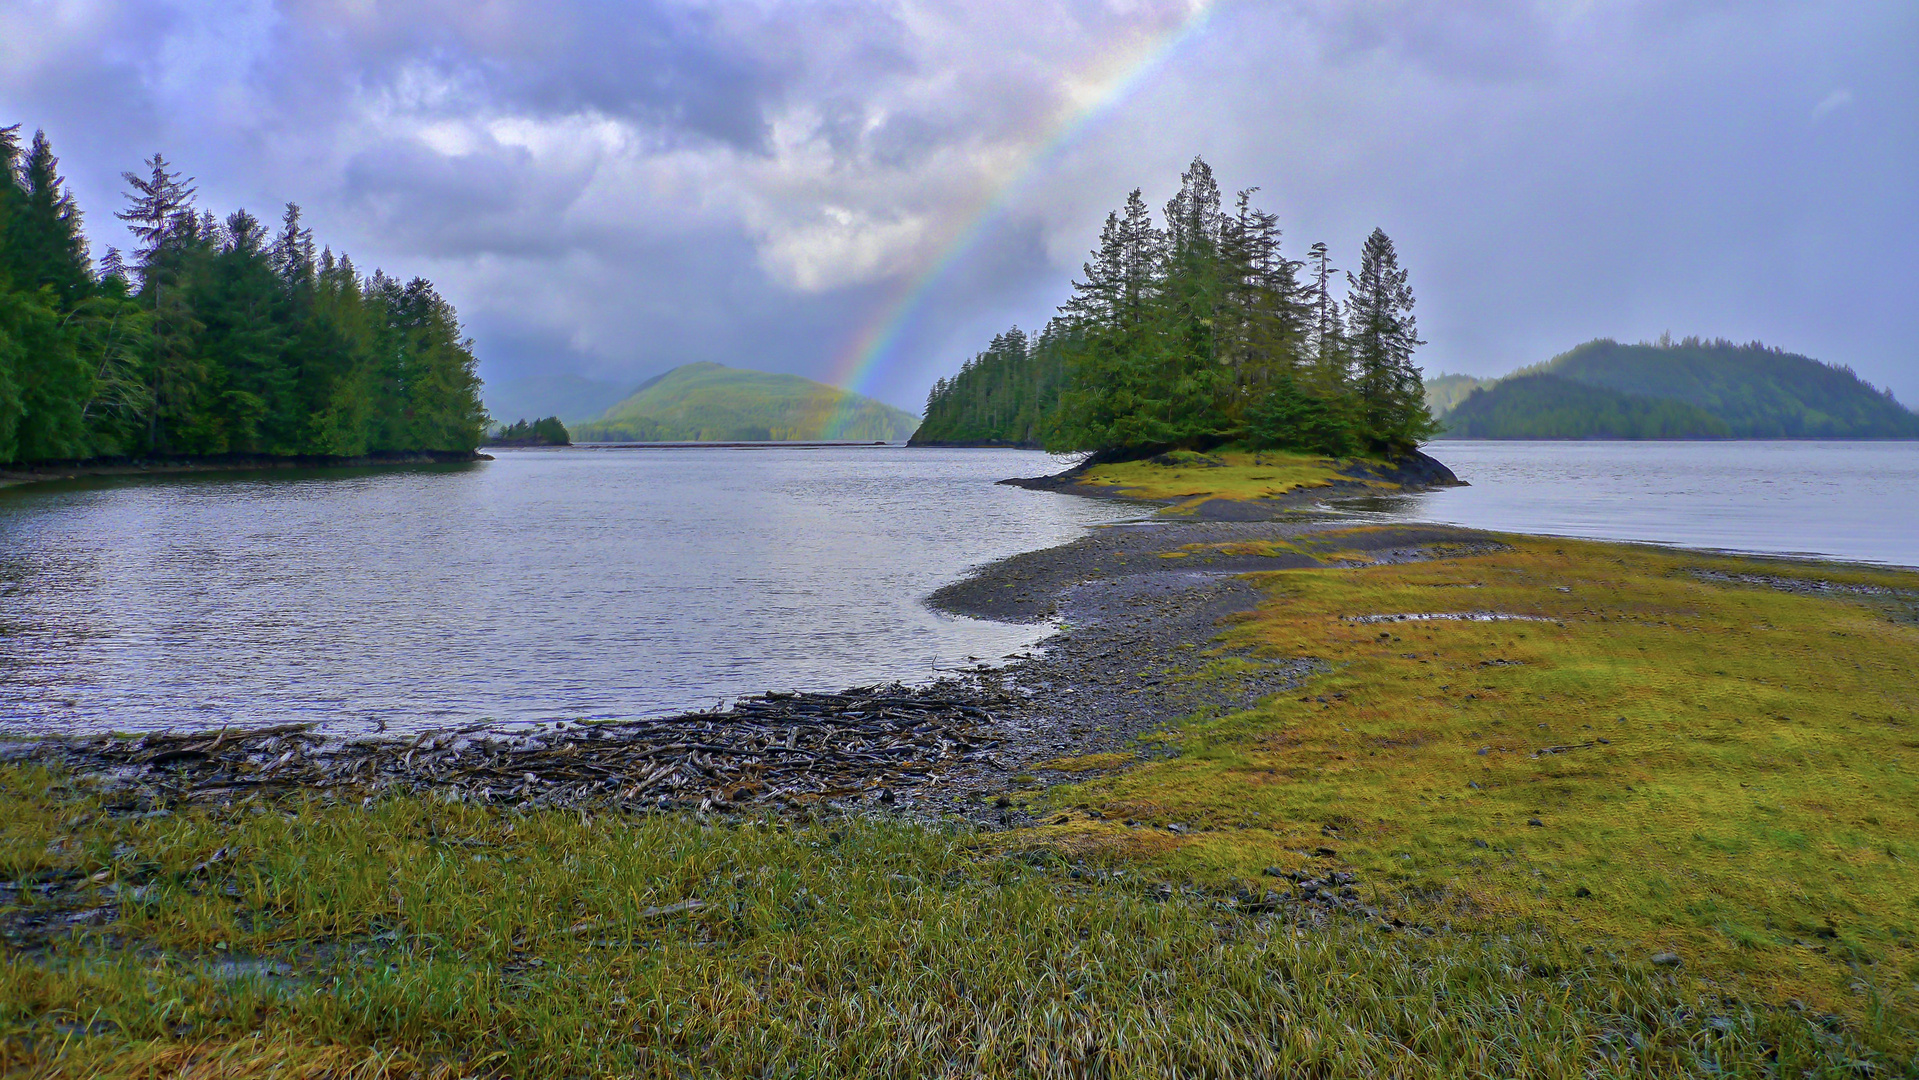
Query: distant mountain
x=569, y=397
x=1443, y=392
x=712, y=403
x=1689, y=389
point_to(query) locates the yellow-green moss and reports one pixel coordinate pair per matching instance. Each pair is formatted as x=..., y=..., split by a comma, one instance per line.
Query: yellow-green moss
x=1727, y=770
x=1241, y=475
x=1087, y=763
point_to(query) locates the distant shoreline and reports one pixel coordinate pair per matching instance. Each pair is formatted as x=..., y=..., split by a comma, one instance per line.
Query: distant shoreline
x=771, y=444
x=41, y=472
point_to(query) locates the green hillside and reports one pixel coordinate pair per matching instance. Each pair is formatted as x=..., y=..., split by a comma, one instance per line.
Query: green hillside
x=713, y=403
x=1674, y=390
x=1542, y=406
x=1760, y=393
x=1444, y=392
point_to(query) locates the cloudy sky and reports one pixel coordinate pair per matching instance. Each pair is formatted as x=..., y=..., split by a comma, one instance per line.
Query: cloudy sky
x=611, y=188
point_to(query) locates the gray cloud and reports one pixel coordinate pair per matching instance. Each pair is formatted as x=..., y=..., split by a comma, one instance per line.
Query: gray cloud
x=614, y=187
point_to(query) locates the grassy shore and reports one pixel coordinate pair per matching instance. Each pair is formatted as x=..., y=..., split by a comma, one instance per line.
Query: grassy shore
x=1650, y=751
x=417, y=938
x=1185, y=479
x=1658, y=817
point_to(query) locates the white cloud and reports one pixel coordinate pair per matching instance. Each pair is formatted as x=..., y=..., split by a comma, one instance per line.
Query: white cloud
x=1838, y=99
x=633, y=180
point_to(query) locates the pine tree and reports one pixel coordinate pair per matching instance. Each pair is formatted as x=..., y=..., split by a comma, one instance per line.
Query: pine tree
x=1096, y=301
x=1325, y=336
x=1199, y=333
x=112, y=265
x=293, y=249
x=1382, y=335
x=47, y=246
x=155, y=207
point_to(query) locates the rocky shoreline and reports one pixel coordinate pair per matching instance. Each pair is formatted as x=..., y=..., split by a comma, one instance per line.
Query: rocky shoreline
x=1140, y=604
x=40, y=472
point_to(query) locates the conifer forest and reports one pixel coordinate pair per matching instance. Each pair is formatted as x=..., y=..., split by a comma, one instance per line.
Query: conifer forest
x=1197, y=331
x=214, y=336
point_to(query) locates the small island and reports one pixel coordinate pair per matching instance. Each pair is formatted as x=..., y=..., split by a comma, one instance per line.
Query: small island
x=1687, y=389
x=1196, y=334
x=547, y=431
x=706, y=402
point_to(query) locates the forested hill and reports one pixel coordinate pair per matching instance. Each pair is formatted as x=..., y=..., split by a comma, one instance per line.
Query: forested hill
x=217, y=336
x=1194, y=331
x=708, y=402
x=1674, y=390
x=1545, y=406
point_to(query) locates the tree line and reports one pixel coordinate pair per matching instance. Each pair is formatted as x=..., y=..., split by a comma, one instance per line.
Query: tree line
x=1541, y=405
x=216, y=336
x=1195, y=332
x=546, y=431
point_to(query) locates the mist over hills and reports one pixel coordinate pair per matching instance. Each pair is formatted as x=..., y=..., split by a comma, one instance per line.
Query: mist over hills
x=707, y=402
x=572, y=398
x=1690, y=389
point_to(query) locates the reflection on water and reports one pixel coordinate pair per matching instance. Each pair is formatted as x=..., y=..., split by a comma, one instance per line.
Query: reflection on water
x=544, y=584
x=1847, y=500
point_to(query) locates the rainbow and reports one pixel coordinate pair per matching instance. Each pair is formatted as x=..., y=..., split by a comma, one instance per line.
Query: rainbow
x=873, y=345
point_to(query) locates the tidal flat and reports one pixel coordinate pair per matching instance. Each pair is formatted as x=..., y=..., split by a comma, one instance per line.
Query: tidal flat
x=1286, y=797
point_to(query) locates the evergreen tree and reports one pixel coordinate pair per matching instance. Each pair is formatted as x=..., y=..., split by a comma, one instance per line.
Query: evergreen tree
x=47, y=248
x=1326, y=343
x=156, y=207
x=234, y=340
x=43, y=381
x=1381, y=334
x=1197, y=334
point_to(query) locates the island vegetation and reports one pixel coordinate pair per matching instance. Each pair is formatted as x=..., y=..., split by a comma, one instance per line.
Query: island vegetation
x=1687, y=389
x=544, y=432
x=215, y=336
x=707, y=402
x=1546, y=406
x=1197, y=332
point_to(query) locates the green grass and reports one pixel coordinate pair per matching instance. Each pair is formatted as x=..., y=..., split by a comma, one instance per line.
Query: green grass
x=1736, y=776
x=1721, y=771
x=1233, y=474
x=419, y=938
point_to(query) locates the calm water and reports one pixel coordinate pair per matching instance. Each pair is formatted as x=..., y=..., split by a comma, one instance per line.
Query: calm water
x=1848, y=500
x=551, y=584
x=544, y=584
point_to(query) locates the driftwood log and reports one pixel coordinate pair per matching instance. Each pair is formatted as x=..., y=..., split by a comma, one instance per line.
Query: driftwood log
x=771, y=749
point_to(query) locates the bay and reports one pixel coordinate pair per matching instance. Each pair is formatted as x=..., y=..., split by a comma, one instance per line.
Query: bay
x=1856, y=501
x=594, y=584
x=546, y=584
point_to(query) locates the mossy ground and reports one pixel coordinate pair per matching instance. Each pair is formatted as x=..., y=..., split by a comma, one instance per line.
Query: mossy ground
x=1187, y=477
x=416, y=938
x=1652, y=760
x=1719, y=770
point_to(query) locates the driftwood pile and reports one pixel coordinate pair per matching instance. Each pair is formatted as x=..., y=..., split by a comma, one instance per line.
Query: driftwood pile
x=771, y=749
